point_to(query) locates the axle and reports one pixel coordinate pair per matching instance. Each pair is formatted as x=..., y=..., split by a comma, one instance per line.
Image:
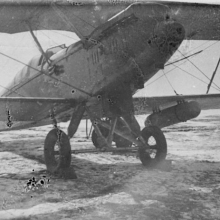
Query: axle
x=83, y=151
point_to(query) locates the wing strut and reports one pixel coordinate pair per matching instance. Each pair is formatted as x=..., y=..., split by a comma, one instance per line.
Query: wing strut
x=38, y=44
x=66, y=20
x=213, y=75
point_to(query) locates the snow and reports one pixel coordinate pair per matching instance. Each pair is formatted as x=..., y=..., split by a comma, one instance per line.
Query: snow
x=115, y=186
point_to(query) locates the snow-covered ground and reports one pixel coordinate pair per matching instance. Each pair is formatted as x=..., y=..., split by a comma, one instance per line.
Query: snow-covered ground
x=115, y=186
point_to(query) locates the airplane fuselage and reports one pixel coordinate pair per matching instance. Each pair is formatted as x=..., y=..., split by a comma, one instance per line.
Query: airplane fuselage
x=119, y=56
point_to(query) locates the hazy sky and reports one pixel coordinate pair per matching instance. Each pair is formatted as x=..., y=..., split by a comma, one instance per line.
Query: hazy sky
x=179, y=77
x=22, y=47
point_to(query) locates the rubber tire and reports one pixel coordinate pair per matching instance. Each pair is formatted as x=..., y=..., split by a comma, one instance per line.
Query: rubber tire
x=160, y=139
x=121, y=142
x=65, y=151
x=95, y=136
x=94, y=139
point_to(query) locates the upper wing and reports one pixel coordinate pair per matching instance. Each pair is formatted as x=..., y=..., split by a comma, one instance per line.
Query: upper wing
x=201, y=21
x=65, y=15
x=17, y=113
x=146, y=105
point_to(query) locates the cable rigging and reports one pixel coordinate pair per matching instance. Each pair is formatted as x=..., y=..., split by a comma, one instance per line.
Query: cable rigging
x=176, y=61
x=65, y=19
x=60, y=33
x=170, y=83
x=10, y=90
x=186, y=71
x=48, y=37
x=198, y=69
x=199, y=47
x=196, y=78
x=44, y=73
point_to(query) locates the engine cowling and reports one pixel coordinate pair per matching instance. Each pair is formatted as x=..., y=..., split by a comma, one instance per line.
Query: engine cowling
x=173, y=115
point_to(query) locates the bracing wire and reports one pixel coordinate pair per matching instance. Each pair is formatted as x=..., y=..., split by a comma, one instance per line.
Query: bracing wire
x=184, y=70
x=57, y=32
x=198, y=69
x=48, y=37
x=170, y=83
x=66, y=20
x=84, y=21
x=195, y=49
x=196, y=77
x=14, y=50
x=64, y=17
x=16, y=87
x=209, y=45
x=201, y=46
x=10, y=90
x=176, y=61
x=44, y=73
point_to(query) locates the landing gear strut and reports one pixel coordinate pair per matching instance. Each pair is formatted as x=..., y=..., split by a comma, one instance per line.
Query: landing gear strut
x=120, y=142
x=122, y=128
x=151, y=143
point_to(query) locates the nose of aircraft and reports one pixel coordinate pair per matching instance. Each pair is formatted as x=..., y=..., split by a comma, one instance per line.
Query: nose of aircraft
x=175, y=33
x=168, y=36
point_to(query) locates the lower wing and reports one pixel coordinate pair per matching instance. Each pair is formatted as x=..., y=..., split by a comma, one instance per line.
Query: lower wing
x=17, y=113
x=146, y=105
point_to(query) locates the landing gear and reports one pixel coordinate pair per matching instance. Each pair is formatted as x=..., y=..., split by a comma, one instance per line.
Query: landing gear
x=120, y=142
x=95, y=142
x=118, y=125
x=156, y=140
x=150, y=142
x=58, y=165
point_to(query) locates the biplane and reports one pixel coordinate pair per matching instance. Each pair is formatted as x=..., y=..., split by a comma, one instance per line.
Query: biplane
x=122, y=46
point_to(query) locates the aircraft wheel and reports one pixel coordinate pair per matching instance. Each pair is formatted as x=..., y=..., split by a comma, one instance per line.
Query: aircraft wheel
x=94, y=139
x=58, y=164
x=157, y=141
x=120, y=142
x=95, y=136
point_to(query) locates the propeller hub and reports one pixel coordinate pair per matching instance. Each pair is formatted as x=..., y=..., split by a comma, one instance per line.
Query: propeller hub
x=168, y=35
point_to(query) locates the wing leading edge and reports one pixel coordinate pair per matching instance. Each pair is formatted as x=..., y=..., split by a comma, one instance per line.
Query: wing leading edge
x=201, y=21
x=145, y=105
x=17, y=113
x=54, y=15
